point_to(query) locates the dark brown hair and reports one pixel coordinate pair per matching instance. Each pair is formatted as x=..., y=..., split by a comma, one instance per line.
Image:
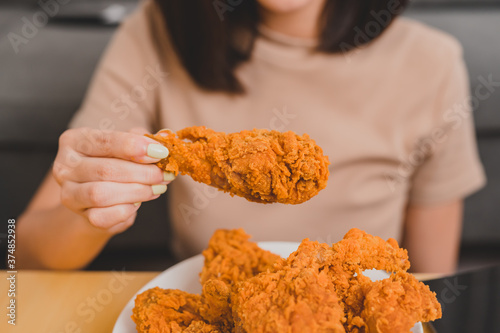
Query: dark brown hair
x=208, y=34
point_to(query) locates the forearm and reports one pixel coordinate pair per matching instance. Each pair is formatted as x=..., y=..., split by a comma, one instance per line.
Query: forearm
x=432, y=237
x=57, y=239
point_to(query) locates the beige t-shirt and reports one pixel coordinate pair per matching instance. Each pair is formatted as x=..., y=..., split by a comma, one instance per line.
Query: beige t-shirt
x=393, y=117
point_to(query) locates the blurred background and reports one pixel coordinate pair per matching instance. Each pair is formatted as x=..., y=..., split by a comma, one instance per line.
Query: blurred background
x=48, y=52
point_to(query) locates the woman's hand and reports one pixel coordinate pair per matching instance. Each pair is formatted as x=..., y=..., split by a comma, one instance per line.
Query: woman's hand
x=105, y=175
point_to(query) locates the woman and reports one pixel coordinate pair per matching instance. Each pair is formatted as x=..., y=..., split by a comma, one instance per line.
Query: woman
x=385, y=97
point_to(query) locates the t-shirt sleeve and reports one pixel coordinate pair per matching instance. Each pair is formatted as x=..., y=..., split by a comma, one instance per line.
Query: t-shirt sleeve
x=123, y=91
x=452, y=169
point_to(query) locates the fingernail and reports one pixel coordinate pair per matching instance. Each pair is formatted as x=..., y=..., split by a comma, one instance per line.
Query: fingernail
x=168, y=176
x=165, y=132
x=137, y=204
x=157, y=151
x=159, y=189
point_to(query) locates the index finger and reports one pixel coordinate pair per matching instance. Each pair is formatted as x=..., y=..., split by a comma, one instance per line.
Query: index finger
x=127, y=146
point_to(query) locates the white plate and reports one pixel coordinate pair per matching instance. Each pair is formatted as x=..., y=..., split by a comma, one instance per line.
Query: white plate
x=185, y=276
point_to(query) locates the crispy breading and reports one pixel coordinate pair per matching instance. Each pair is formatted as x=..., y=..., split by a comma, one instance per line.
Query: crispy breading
x=201, y=327
x=395, y=304
x=342, y=264
x=160, y=310
x=260, y=165
x=291, y=300
x=318, y=289
x=231, y=257
x=215, y=307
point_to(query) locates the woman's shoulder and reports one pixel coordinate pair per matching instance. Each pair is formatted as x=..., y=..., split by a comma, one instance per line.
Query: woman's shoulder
x=146, y=16
x=425, y=35
x=146, y=26
x=420, y=42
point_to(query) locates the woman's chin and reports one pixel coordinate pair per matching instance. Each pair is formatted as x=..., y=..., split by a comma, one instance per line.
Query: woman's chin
x=284, y=6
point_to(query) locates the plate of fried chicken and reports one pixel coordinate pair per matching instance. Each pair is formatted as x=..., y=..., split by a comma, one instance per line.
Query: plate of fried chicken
x=359, y=284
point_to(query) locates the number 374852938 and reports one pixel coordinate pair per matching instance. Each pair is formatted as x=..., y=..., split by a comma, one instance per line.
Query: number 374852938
x=11, y=243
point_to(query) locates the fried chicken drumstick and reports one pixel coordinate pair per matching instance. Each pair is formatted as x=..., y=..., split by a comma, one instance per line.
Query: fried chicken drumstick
x=260, y=165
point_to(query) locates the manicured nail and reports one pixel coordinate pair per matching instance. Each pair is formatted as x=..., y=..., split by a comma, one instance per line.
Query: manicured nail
x=168, y=176
x=165, y=132
x=157, y=151
x=159, y=189
x=137, y=204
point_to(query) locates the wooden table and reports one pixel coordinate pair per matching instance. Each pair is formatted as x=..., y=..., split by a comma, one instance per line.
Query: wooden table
x=72, y=302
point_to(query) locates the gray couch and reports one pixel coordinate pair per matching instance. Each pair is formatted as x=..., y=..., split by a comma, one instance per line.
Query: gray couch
x=42, y=86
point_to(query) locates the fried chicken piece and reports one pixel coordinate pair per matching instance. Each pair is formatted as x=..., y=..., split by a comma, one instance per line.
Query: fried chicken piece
x=356, y=252
x=300, y=296
x=395, y=304
x=359, y=250
x=318, y=288
x=229, y=258
x=168, y=311
x=260, y=165
x=201, y=327
x=353, y=300
x=340, y=264
x=215, y=307
x=291, y=300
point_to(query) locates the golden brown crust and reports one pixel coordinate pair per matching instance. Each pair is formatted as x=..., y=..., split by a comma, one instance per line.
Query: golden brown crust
x=216, y=304
x=231, y=257
x=160, y=310
x=260, y=165
x=319, y=288
x=342, y=264
x=289, y=300
x=393, y=305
